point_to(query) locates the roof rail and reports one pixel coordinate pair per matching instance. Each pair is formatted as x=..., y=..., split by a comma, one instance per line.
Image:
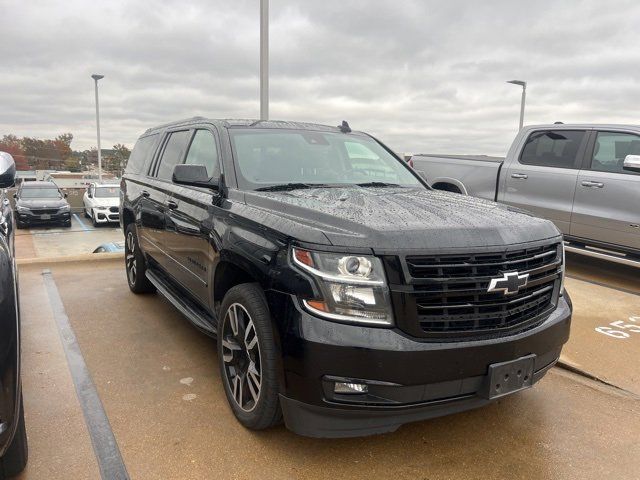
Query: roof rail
x=186, y=120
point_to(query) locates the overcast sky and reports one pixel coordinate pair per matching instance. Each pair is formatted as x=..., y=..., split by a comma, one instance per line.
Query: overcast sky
x=423, y=76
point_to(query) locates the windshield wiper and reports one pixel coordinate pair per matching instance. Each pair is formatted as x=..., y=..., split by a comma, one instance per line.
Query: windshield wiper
x=377, y=184
x=284, y=187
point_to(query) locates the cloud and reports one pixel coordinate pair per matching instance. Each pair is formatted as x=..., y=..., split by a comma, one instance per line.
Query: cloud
x=421, y=76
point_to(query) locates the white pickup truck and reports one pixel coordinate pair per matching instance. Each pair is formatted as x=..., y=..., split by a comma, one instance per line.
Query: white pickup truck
x=585, y=178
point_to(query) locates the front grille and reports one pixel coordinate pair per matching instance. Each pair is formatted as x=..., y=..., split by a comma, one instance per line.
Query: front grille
x=451, y=297
x=44, y=211
x=113, y=209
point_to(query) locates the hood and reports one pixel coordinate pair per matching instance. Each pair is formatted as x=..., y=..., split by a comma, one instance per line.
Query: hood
x=392, y=219
x=41, y=202
x=106, y=202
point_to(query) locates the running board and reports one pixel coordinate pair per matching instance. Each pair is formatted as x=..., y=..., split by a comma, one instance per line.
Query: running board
x=196, y=316
x=603, y=255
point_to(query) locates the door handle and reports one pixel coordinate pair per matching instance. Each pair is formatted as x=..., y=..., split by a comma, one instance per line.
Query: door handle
x=145, y=194
x=172, y=205
x=521, y=176
x=591, y=184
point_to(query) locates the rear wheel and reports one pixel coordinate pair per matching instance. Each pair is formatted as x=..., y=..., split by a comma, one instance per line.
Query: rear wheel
x=247, y=357
x=15, y=458
x=135, y=263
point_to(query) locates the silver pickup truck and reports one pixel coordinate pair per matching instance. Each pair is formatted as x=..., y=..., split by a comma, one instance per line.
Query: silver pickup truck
x=585, y=178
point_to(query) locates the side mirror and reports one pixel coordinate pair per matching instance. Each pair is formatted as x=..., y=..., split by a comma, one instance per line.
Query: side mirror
x=7, y=170
x=194, y=176
x=632, y=162
x=15, y=195
x=66, y=195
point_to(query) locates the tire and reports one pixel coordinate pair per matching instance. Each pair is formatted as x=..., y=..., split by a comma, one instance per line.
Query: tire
x=67, y=224
x=135, y=263
x=93, y=219
x=15, y=458
x=248, y=358
x=86, y=213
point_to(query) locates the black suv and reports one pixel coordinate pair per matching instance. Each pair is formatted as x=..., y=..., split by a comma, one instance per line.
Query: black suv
x=39, y=203
x=13, y=438
x=345, y=294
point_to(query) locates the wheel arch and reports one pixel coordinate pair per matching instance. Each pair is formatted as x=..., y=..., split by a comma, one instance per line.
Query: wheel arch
x=449, y=185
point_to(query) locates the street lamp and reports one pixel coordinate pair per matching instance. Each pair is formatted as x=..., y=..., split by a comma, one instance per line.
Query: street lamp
x=523, y=84
x=264, y=59
x=96, y=78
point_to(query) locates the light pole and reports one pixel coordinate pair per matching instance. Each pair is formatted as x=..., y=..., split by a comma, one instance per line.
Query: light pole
x=523, y=84
x=96, y=78
x=264, y=59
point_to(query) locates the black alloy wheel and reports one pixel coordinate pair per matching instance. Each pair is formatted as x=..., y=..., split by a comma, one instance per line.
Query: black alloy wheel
x=248, y=357
x=135, y=263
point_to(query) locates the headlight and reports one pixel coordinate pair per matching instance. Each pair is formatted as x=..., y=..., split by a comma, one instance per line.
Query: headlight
x=353, y=287
x=65, y=208
x=102, y=208
x=22, y=209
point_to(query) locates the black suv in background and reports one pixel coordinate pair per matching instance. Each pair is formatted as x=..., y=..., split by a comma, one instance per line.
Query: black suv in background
x=13, y=437
x=345, y=294
x=39, y=203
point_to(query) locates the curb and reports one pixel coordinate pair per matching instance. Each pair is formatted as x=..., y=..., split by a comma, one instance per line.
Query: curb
x=85, y=257
x=573, y=368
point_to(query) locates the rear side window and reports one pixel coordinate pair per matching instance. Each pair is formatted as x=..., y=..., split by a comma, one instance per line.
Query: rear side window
x=552, y=148
x=610, y=150
x=203, y=151
x=142, y=150
x=173, y=154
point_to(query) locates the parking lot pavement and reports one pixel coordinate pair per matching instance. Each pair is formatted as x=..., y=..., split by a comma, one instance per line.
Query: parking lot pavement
x=158, y=381
x=605, y=330
x=57, y=241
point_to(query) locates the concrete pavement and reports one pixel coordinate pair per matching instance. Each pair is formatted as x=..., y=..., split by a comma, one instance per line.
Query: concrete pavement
x=158, y=381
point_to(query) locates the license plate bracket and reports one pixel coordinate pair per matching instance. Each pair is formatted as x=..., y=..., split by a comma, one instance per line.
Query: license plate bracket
x=46, y=216
x=508, y=377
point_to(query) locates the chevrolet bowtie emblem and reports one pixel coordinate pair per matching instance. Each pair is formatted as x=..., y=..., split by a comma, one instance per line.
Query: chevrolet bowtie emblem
x=509, y=283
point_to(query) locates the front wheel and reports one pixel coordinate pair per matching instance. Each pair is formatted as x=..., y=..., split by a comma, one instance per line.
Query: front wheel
x=135, y=263
x=248, y=358
x=15, y=458
x=93, y=219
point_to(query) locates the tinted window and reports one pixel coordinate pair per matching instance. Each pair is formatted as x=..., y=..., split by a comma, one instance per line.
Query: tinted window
x=268, y=157
x=173, y=154
x=553, y=148
x=142, y=150
x=203, y=151
x=611, y=149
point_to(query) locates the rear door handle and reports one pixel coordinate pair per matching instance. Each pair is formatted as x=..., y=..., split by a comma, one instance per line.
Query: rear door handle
x=588, y=183
x=145, y=194
x=519, y=175
x=172, y=205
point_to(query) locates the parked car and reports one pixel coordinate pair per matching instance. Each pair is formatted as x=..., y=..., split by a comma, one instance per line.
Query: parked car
x=40, y=203
x=346, y=295
x=101, y=203
x=585, y=178
x=13, y=437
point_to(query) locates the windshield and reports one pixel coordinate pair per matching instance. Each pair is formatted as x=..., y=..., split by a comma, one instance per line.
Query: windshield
x=40, y=193
x=268, y=157
x=107, y=192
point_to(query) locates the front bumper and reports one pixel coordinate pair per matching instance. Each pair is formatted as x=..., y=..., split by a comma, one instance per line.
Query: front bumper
x=107, y=216
x=408, y=379
x=30, y=218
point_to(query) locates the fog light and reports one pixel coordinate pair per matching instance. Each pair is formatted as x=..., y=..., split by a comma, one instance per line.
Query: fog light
x=343, y=387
